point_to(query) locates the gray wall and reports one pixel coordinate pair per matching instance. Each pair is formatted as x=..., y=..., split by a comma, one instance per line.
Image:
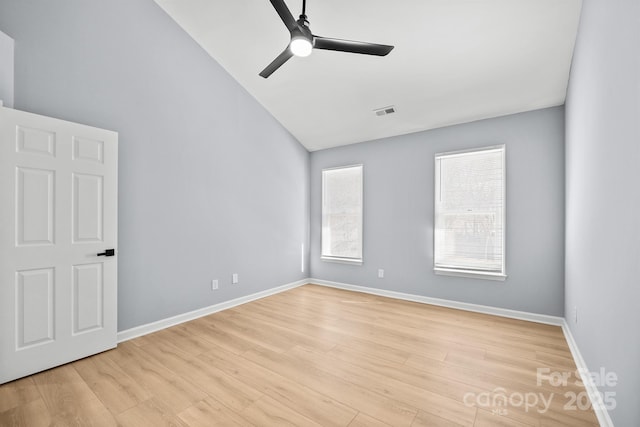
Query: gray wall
x=398, y=212
x=6, y=69
x=210, y=184
x=603, y=197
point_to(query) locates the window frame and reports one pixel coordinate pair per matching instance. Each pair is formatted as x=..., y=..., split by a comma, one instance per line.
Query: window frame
x=331, y=258
x=472, y=272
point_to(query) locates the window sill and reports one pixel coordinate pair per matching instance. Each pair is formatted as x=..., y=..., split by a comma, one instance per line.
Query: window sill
x=471, y=274
x=351, y=261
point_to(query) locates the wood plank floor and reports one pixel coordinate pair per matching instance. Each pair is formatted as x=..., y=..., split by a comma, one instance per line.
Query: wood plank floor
x=315, y=356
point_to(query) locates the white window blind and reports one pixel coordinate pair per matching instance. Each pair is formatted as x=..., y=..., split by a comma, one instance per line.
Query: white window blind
x=342, y=214
x=469, y=212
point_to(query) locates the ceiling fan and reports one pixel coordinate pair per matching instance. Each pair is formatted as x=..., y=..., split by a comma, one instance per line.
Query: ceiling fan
x=303, y=41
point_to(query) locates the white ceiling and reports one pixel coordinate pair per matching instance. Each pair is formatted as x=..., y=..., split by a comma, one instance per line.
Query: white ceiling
x=454, y=61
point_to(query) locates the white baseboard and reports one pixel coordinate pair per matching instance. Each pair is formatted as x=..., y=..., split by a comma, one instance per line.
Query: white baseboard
x=592, y=390
x=601, y=412
x=503, y=312
x=185, y=317
x=141, y=330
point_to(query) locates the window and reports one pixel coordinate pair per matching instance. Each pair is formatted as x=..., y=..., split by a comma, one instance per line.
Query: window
x=342, y=214
x=469, y=213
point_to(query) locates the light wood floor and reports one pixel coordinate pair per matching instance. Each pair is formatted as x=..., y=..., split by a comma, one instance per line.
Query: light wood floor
x=313, y=356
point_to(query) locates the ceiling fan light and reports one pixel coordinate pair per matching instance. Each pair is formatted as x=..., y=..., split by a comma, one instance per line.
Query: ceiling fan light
x=301, y=46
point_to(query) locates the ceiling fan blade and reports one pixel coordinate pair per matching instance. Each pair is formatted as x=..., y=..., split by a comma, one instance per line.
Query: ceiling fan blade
x=285, y=14
x=277, y=63
x=351, y=46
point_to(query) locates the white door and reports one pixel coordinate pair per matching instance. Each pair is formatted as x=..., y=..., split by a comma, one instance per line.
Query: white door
x=58, y=211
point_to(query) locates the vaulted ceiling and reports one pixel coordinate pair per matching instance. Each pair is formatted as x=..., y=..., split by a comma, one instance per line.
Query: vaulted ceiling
x=454, y=61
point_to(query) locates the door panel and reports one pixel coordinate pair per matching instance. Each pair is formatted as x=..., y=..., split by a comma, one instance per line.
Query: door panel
x=58, y=210
x=88, y=297
x=88, y=149
x=36, y=141
x=87, y=208
x=34, y=194
x=34, y=320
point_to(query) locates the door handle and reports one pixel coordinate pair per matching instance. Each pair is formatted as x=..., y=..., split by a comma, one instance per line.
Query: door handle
x=108, y=252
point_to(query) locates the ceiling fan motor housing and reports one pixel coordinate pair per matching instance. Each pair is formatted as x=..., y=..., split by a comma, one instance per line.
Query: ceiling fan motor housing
x=302, y=30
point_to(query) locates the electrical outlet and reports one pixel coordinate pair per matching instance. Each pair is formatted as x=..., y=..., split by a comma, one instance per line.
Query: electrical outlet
x=575, y=314
x=380, y=273
x=214, y=284
x=234, y=278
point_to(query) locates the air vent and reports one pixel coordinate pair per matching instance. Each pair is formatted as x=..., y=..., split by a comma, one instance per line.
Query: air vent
x=385, y=110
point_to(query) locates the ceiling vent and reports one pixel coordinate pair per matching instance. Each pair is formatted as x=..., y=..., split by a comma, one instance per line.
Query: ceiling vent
x=385, y=110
